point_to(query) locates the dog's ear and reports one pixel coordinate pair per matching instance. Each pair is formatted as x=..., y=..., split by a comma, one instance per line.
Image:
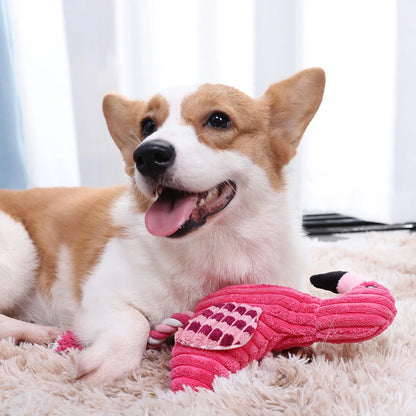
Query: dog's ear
x=290, y=105
x=123, y=120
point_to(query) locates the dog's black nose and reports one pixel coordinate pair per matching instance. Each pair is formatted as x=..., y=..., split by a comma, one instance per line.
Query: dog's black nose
x=154, y=157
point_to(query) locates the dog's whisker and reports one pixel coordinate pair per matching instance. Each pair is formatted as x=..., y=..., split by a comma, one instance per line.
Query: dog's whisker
x=134, y=139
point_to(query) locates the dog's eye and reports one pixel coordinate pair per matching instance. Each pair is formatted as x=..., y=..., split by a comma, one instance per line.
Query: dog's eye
x=219, y=120
x=148, y=127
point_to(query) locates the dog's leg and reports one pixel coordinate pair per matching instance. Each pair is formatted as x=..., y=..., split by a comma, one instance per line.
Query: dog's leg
x=25, y=331
x=118, y=339
x=18, y=266
x=18, y=263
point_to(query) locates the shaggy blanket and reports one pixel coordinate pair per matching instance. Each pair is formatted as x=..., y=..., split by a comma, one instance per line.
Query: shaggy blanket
x=377, y=377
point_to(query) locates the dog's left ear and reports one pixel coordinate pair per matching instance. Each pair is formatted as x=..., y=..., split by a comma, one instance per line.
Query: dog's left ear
x=291, y=105
x=123, y=120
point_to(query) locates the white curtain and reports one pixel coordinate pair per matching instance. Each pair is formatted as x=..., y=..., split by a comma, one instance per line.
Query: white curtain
x=360, y=156
x=13, y=161
x=357, y=157
x=45, y=89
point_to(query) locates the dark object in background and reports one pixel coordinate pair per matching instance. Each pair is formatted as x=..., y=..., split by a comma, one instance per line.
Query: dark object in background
x=332, y=223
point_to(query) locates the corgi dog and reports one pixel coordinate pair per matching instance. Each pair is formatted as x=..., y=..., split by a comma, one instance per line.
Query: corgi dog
x=207, y=206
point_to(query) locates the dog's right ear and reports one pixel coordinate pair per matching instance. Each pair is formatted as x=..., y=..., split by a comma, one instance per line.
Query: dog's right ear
x=291, y=104
x=123, y=120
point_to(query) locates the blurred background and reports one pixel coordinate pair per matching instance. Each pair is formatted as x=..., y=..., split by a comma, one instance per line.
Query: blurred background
x=59, y=57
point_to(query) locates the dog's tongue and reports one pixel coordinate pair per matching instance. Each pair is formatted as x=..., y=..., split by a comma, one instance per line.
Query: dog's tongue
x=169, y=212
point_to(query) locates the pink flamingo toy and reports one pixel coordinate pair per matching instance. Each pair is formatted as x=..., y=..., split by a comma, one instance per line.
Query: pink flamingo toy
x=238, y=324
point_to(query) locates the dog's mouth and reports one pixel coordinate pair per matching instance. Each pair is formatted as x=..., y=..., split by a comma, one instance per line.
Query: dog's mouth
x=176, y=212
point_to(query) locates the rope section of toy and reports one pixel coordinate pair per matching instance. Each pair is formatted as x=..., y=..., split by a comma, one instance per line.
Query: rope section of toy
x=167, y=328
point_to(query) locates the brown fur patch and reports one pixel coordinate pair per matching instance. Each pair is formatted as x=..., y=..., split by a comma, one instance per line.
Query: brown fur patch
x=124, y=118
x=268, y=129
x=157, y=109
x=78, y=218
x=248, y=133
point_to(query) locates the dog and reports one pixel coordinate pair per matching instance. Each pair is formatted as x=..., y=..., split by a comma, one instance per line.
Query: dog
x=207, y=207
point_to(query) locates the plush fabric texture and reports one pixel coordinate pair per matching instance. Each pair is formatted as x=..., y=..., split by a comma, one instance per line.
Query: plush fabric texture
x=273, y=318
x=375, y=377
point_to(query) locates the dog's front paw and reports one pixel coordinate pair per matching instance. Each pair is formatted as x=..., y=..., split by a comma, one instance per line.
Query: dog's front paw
x=116, y=344
x=106, y=362
x=37, y=334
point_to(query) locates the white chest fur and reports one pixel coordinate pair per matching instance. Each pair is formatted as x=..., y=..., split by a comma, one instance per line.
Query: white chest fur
x=160, y=276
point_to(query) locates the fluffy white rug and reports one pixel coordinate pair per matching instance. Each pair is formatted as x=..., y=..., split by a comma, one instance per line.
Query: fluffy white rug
x=377, y=377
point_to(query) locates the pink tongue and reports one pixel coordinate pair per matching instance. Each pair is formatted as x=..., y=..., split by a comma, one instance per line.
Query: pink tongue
x=165, y=216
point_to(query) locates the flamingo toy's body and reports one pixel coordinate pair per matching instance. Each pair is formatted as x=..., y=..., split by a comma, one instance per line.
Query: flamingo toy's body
x=239, y=324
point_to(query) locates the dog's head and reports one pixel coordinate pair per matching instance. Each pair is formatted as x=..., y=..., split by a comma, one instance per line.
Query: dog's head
x=193, y=153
